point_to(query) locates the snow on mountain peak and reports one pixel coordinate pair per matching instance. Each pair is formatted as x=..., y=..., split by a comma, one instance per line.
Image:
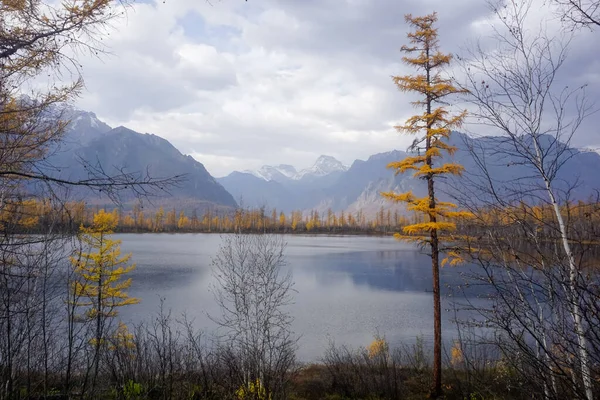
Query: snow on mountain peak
x=275, y=173
x=287, y=170
x=324, y=165
x=591, y=148
x=331, y=163
x=255, y=173
x=87, y=118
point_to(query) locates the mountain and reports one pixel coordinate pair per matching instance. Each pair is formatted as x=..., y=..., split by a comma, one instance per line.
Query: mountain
x=595, y=149
x=359, y=187
x=325, y=165
x=278, y=173
x=253, y=191
x=85, y=127
x=281, y=186
x=327, y=184
x=90, y=147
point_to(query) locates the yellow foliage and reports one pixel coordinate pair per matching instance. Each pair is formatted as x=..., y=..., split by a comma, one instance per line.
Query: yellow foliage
x=183, y=222
x=101, y=286
x=435, y=124
x=378, y=347
x=456, y=355
x=453, y=258
x=20, y=214
x=103, y=223
x=253, y=390
x=122, y=338
x=282, y=220
x=416, y=229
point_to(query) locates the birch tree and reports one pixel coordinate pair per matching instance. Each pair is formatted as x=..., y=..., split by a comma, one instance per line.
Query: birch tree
x=253, y=293
x=514, y=89
x=579, y=13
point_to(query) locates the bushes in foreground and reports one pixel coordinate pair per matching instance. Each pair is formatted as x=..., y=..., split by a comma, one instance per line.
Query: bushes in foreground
x=169, y=359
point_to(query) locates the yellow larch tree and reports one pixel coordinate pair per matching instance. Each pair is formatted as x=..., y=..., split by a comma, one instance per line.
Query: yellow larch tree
x=282, y=221
x=183, y=222
x=159, y=220
x=433, y=129
x=100, y=286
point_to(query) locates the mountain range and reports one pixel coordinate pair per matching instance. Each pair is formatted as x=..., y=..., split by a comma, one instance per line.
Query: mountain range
x=325, y=165
x=359, y=186
x=91, y=147
x=327, y=184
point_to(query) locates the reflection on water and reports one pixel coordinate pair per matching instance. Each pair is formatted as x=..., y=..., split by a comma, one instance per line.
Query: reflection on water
x=348, y=288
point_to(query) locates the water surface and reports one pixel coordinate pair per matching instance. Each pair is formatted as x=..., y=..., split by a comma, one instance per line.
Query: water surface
x=348, y=288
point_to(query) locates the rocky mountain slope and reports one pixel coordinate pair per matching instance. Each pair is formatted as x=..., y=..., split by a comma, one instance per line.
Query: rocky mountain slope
x=91, y=146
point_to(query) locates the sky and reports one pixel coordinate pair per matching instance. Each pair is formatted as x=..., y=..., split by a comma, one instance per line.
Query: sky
x=241, y=84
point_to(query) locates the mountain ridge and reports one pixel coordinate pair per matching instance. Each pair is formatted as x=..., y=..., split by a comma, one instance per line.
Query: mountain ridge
x=324, y=165
x=358, y=188
x=91, y=146
x=327, y=184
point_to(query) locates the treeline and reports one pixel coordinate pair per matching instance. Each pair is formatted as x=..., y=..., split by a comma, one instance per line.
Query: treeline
x=36, y=215
x=538, y=222
x=583, y=218
x=260, y=220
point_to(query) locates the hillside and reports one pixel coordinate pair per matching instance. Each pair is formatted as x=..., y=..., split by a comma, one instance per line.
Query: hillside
x=91, y=147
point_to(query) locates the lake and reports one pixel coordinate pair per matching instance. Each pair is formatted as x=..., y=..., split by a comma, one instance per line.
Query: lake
x=348, y=287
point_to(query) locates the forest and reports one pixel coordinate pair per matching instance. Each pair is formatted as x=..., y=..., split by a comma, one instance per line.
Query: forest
x=531, y=248
x=35, y=216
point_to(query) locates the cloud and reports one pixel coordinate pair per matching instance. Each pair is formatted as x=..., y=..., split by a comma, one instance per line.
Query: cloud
x=240, y=84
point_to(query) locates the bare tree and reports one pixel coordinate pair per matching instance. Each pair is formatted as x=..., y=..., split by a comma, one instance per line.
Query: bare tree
x=514, y=90
x=253, y=292
x=579, y=13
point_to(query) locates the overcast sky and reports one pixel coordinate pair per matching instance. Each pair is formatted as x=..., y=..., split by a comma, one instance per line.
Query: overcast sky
x=240, y=84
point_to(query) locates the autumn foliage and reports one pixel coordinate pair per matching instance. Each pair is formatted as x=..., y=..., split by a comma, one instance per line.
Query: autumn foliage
x=433, y=128
x=100, y=284
x=102, y=287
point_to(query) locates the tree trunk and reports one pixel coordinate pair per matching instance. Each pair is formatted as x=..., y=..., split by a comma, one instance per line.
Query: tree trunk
x=437, y=318
x=573, y=281
x=436, y=390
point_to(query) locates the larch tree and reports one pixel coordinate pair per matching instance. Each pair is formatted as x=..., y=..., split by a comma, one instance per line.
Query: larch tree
x=100, y=286
x=183, y=222
x=281, y=221
x=41, y=46
x=433, y=128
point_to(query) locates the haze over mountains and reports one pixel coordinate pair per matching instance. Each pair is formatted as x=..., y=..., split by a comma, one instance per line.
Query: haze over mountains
x=327, y=184
x=358, y=187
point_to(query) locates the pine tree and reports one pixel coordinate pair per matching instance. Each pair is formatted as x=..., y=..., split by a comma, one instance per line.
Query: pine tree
x=433, y=127
x=99, y=286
